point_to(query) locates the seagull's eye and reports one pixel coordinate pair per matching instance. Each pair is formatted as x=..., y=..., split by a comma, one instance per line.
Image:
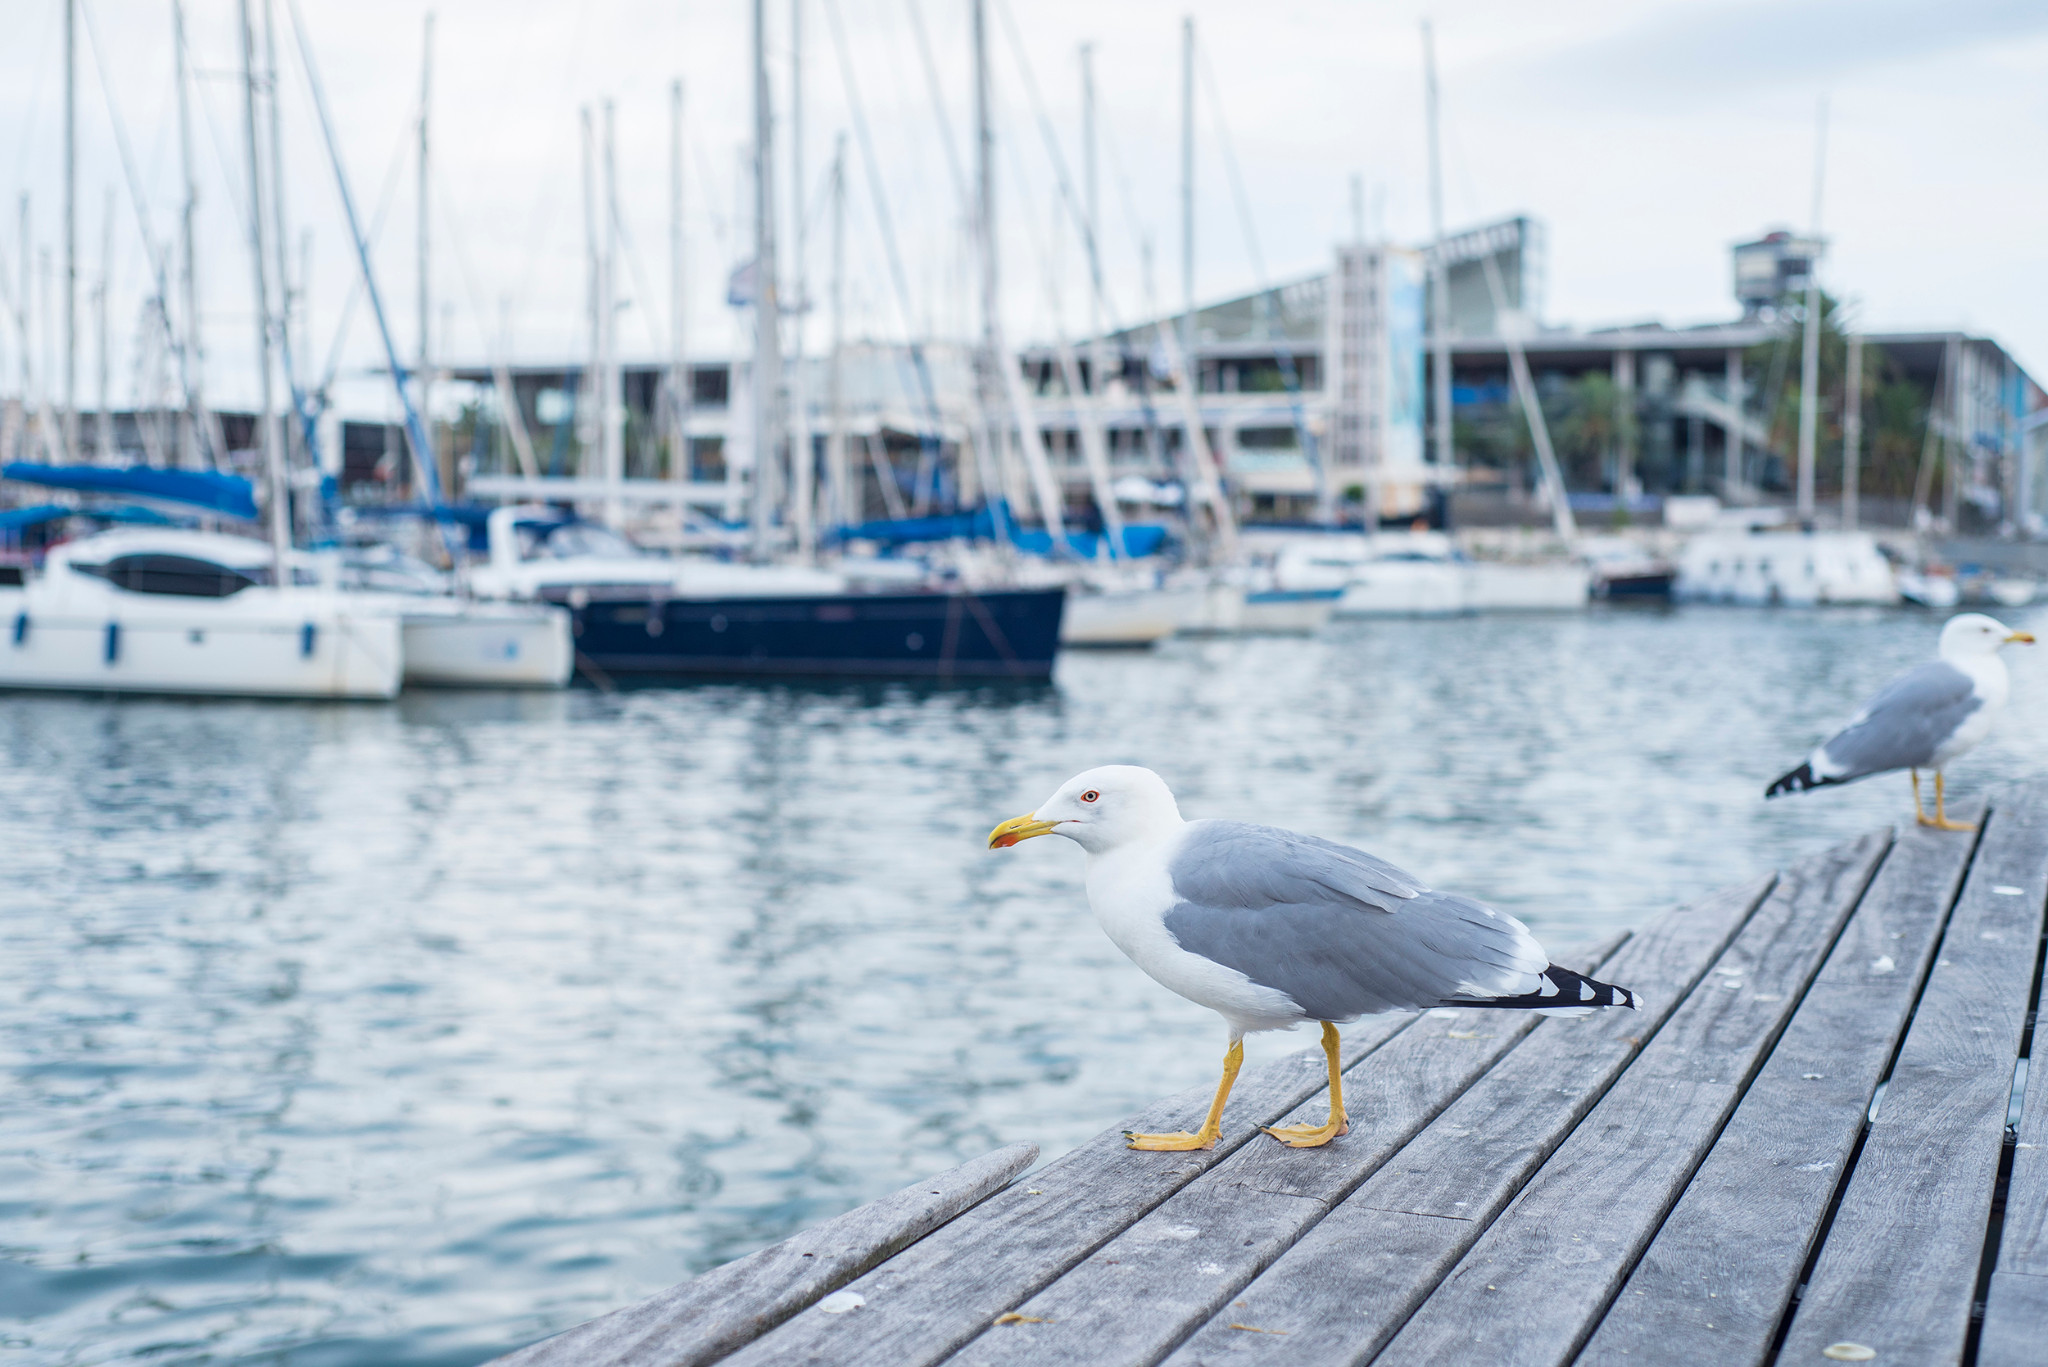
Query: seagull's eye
x=1090, y=795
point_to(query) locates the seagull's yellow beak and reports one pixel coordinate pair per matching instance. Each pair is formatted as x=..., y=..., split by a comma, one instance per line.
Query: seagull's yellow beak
x=2023, y=637
x=1018, y=828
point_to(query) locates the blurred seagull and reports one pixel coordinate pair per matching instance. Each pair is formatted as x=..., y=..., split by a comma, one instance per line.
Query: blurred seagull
x=1921, y=720
x=1269, y=928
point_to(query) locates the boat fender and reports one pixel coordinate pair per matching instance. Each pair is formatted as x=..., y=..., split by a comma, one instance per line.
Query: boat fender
x=113, y=642
x=21, y=627
x=308, y=634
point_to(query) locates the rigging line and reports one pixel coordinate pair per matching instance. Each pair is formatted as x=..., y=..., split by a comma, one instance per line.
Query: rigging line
x=127, y=158
x=416, y=432
x=646, y=310
x=708, y=196
x=1290, y=376
x=1230, y=165
x=540, y=222
x=940, y=113
x=1059, y=164
x=230, y=177
x=45, y=64
x=931, y=295
x=1087, y=230
x=881, y=209
x=508, y=400
x=355, y=281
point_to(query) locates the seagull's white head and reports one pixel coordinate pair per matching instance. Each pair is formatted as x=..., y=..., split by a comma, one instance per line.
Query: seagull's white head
x=1098, y=810
x=1972, y=633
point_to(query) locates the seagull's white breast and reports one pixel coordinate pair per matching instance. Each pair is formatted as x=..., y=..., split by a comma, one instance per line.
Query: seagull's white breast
x=1130, y=891
x=1992, y=686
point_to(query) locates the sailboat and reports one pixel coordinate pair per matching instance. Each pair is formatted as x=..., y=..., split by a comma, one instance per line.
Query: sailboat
x=167, y=609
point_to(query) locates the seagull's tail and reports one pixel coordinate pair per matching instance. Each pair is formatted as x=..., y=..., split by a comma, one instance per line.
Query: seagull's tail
x=1798, y=781
x=1560, y=992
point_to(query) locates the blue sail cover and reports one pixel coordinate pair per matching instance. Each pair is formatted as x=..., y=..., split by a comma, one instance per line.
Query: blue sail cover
x=229, y=495
x=979, y=525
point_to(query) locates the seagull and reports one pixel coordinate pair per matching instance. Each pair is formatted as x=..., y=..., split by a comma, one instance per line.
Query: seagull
x=1270, y=928
x=1921, y=720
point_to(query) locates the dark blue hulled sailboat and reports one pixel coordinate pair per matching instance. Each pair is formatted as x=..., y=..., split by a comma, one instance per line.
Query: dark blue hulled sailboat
x=637, y=614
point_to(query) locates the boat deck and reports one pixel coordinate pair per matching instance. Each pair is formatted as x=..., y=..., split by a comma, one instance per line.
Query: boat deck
x=1812, y=1143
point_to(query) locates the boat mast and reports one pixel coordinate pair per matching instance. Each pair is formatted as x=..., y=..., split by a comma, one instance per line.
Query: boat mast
x=1087, y=394
x=1187, y=197
x=30, y=420
x=611, y=402
x=103, y=426
x=423, y=369
x=1852, y=433
x=839, y=485
x=281, y=253
x=193, y=351
x=273, y=454
x=767, y=304
x=802, y=464
x=1439, y=270
x=70, y=419
x=1809, y=359
x=679, y=376
x=590, y=385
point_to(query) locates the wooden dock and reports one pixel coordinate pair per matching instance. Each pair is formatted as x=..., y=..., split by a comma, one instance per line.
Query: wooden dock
x=1797, y=1152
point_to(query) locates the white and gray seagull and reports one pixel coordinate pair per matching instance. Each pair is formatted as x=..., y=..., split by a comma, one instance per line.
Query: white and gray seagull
x=1921, y=720
x=1270, y=928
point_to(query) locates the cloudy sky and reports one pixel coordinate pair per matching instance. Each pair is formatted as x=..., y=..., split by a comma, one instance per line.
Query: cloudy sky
x=1648, y=135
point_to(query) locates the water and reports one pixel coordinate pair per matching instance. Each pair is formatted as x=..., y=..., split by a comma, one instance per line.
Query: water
x=408, y=1034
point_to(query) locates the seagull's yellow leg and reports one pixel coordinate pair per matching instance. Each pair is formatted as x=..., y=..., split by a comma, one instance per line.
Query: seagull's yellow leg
x=1919, y=812
x=1213, y=1126
x=1941, y=821
x=1315, y=1136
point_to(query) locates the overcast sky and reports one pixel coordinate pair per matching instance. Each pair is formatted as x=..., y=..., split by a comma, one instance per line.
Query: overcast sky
x=1648, y=135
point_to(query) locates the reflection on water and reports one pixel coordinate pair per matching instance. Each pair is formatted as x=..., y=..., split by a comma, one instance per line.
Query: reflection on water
x=407, y=1034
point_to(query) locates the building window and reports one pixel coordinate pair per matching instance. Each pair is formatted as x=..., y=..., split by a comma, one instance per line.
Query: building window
x=1265, y=439
x=707, y=459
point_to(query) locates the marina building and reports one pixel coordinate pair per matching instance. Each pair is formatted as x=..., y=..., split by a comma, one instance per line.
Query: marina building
x=1317, y=396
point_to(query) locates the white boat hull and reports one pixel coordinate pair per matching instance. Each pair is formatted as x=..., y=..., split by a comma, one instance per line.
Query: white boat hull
x=499, y=645
x=1126, y=618
x=1493, y=587
x=257, y=644
x=1288, y=612
x=1404, y=588
x=1799, y=569
x=1214, y=610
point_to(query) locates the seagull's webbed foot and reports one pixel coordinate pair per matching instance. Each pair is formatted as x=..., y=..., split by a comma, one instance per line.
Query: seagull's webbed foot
x=1940, y=821
x=1310, y=1136
x=1315, y=1136
x=1204, y=1138
x=1176, y=1142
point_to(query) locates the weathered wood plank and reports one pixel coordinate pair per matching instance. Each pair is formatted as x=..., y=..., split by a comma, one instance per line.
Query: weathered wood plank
x=707, y=1317
x=1721, y=1271
x=1533, y=1285
x=1136, y=1297
x=922, y=1305
x=1898, y=1268
x=2015, y=1321
x=1345, y=1287
x=2016, y=1306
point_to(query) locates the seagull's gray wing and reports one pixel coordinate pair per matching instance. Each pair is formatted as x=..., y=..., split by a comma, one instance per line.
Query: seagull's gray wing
x=1902, y=726
x=1339, y=932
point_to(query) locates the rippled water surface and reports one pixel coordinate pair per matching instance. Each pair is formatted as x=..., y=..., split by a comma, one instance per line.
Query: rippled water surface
x=409, y=1034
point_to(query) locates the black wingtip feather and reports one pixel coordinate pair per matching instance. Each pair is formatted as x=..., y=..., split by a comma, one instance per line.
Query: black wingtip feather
x=1563, y=989
x=1798, y=781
